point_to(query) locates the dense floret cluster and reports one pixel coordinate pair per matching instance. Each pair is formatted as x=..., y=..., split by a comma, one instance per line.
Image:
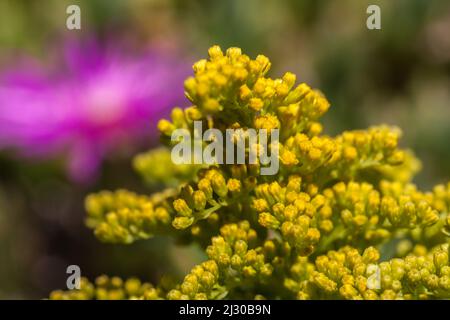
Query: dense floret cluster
x=340, y=220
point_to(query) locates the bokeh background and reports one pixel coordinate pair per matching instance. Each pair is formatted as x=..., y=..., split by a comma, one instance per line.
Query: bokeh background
x=130, y=59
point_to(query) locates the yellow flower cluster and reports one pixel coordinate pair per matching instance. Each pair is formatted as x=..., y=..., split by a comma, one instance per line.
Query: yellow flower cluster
x=305, y=155
x=347, y=212
x=123, y=216
x=211, y=193
x=234, y=249
x=156, y=167
x=106, y=288
x=231, y=90
x=200, y=284
x=352, y=155
x=235, y=260
x=293, y=212
x=340, y=220
x=441, y=197
x=347, y=274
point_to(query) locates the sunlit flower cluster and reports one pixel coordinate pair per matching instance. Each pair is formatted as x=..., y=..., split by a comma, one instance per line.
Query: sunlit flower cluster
x=340, y=220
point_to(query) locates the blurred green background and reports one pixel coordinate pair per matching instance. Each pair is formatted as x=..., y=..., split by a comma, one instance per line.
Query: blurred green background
x=399, y=75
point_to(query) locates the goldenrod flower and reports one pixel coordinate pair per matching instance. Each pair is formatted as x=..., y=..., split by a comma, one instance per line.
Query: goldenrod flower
x=315, y=230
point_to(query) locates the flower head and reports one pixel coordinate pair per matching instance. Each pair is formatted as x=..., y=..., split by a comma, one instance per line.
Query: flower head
x=320, y=228
x=98, y=99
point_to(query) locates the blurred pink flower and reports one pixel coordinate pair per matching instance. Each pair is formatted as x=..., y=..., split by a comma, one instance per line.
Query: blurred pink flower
x=98, y=101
